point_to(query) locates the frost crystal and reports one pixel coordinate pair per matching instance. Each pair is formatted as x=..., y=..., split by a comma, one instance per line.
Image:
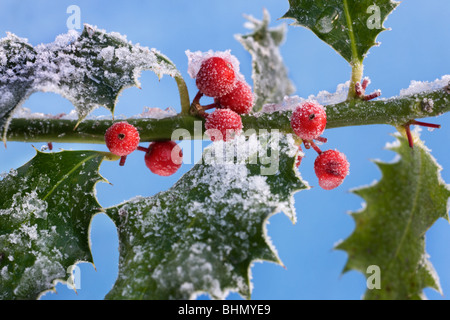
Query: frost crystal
x=156, y=113
x=89, y=69
x=45, y=210
x=195, y=60
x=270, y=76
x=324, y=98
x=424, y=86
x=288, y=103
x=204, y=233
x=148, y=113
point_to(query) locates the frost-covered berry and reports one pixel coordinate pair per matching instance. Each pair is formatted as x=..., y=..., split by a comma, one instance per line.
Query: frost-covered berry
x=216, y=77
x=309, y=120
x=223, y=124
x=240, y=99
x=331, y=167
x=163, y=158
x=122, y=138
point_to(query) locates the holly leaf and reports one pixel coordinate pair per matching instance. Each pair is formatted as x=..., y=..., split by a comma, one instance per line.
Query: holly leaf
x=46, y=207
x=390, y=229
x=89, y=69
x=349, y=26
x=270, y=77
x=16, y=78
x=203, y=234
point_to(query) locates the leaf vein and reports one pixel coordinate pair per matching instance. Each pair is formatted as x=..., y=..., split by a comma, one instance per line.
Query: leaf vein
x=66, y=176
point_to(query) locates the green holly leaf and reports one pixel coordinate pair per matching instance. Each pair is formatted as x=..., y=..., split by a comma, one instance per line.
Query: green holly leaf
x=46, y=207
x=349, y=26
x=203, y=234
x=89, y=69
x=270, y=77
x=16, y=78
x=390, y=229
x=93, y=68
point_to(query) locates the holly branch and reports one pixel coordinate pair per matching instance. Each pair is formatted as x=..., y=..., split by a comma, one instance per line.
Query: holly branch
x=396, y=111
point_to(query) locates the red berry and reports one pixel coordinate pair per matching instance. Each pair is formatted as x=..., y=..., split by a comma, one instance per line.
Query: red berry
x=122, y=138
x=216, y=77
x=331, y=168
x=223, y=124
x=164, y=158
x=240, y=99
x=308, y=120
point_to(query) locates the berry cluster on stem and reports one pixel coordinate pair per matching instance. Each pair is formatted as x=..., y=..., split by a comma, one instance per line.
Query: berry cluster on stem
x=162, y=158
x=308, y=122
x=233, y=97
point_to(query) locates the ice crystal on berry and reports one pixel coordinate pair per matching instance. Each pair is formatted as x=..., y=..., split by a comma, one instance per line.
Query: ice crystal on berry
x=122, y=138
x=223, y=124
x=216, y=77
x=309, y=120
x=240, y=100
x=331, y=167
x=164, y=158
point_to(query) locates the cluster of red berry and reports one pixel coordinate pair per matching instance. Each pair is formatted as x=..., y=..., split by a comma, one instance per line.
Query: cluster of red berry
x=162, y=158
x=216, y=78
x=232, y=97
x=308, y=122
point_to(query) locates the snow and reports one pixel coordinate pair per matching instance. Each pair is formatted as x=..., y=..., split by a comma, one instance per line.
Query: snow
x=156, y=113
x=78, y=67
x=29, y=240
x=288, y=103
x=147, y=113
x=270, y=76
x=12, y=172
x=324, y=98
x=40, y=217
x=3, y=59
x=417, y=87
x=195, y=60
x=203, y=258
x=107, y=53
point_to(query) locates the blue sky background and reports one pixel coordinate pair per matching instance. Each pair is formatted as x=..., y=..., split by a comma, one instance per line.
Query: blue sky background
x=417, y=48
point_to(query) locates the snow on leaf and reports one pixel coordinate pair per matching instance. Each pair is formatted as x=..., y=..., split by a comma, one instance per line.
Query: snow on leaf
x=349, y=26
x=89, y=69
x=390, y=229
x=16, y=76
x=45, y=210
x=270, y=77
x=203, y=234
